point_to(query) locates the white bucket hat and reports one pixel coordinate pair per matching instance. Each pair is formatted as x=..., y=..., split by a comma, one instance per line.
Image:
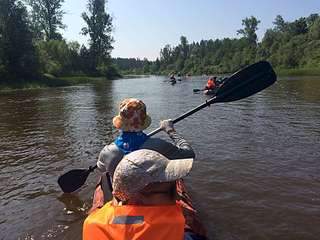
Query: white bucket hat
x=132, y=116
x=142, y=167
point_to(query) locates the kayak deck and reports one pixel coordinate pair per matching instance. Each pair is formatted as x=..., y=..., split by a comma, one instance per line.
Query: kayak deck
x=210, y=91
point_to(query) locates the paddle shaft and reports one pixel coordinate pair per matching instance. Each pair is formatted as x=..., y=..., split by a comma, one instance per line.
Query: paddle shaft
x=187, y=114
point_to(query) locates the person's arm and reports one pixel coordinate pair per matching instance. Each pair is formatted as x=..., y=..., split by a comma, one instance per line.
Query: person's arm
x=178, y=140
x=182, y=148
x=109, y=158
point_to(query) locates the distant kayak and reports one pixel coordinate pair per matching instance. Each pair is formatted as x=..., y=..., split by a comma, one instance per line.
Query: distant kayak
x=173, y=81
x=213, y=91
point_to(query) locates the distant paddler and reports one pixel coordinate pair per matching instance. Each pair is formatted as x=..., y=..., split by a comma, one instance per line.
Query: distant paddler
x=211, y=86
x=172, y=79
x=211, y=83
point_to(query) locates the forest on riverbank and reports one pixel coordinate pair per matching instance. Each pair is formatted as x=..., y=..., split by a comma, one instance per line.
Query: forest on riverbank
x=33, y=50
x=291, y=47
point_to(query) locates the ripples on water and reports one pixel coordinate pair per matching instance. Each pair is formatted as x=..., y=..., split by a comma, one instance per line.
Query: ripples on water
x=257, y=174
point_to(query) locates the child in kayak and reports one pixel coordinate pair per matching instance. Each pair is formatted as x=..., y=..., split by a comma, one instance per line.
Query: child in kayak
x=131, y=121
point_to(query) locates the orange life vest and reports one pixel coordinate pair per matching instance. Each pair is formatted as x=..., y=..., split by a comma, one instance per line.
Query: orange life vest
x=131, y=222
x=210, y=84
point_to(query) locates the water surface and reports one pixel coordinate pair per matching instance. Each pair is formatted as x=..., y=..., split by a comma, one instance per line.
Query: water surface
x=256, y=175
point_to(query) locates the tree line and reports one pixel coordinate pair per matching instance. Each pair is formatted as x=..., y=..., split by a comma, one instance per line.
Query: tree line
x=287, y=45
x=31, y=44
x=32, y=47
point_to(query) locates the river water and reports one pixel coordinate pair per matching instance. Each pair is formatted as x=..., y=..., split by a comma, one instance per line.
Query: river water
x=256, y=174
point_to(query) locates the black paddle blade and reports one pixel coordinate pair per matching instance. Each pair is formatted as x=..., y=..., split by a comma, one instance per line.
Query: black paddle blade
x=73, y=180
x=196, y=90
x=246, y=82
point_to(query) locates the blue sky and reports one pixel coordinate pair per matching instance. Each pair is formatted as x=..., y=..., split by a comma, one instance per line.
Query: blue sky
x=143, y=27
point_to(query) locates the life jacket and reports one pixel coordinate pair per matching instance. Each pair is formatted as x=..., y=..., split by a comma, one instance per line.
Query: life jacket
x=129, y=222
x=130, y=141
x=210, y=84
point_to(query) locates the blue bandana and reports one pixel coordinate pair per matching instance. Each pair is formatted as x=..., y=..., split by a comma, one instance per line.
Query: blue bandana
x=130, y=141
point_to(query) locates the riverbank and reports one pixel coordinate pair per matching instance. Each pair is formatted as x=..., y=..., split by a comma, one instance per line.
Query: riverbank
x=136, y=75
x=298, y=72
x=280, y=72
x=48, y=80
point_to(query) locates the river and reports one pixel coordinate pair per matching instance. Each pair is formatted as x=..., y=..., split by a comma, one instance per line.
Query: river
x=256, y=174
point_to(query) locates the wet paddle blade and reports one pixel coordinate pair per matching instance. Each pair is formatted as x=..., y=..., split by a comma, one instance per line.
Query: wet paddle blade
x=246, y=82
x=73, y=180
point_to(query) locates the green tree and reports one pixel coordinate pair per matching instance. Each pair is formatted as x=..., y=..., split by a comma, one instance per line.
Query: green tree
x=58, y=57
x=269, y=43
x=18, y=59
x=312, y=19
x=146, y=66
x=184, y=48
x=280, y=24
x=99, y=28
x=249, y=30
x=299, y=26
x=47, y=18
x=4, y=8
x=165, y=54
x=155, y=67
x=314, y=32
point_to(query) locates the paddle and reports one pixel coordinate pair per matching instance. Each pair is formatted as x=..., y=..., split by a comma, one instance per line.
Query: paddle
x=239, y=85
x=198, y=90
x=74, y=179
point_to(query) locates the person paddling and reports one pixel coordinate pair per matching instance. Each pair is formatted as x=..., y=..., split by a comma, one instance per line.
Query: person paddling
x=145, y=202
x=172, y=77
x=211, y=83
x=131, y=121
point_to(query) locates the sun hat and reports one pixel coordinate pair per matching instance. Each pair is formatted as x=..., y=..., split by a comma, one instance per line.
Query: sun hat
x=132, y=116
x=142, y=167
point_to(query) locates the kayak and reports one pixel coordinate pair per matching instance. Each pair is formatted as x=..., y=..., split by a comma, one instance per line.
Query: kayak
x=173, y=82
x=210, y=91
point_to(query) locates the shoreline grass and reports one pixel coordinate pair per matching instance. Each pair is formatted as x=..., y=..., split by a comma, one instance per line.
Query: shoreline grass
x=298, y=72
x=125, y=76
x=47, y=81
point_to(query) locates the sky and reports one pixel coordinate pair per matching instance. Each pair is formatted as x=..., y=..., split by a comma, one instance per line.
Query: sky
x=143, y=27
